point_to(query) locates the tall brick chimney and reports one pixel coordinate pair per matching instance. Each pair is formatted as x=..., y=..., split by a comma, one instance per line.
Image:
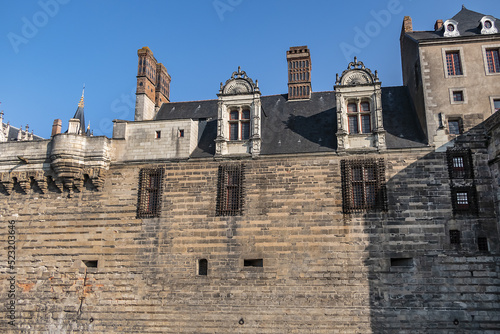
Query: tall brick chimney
x=153, y=85
x=56, y=127
x=299, y=72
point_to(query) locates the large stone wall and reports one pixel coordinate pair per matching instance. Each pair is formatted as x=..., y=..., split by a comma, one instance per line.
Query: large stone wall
x=323, y=271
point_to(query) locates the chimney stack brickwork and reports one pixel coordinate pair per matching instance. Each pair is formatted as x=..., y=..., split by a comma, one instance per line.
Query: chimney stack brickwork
x=153, y=85
x=299, y=72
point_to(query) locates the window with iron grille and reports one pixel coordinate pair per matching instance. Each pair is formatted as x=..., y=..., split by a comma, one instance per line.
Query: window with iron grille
x=464, y=200
x=230, y=190
x=453, y=63
x=150, y=191
x=482, y=244
x=363, y=185
x=460, y=164
x=455, y=237
x=493, y=60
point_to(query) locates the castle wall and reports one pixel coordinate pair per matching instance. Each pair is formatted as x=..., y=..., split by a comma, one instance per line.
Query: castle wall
x=323, y=271
x=142, y=143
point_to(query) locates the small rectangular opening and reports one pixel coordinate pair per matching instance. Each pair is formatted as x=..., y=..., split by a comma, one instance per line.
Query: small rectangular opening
x=458, y=96
x=482, y=244
x=158, y=134
x=90, y=263
x=181, y=133
x=402, y=262
x=203, y=267
x=253, y=263
x=455, y=237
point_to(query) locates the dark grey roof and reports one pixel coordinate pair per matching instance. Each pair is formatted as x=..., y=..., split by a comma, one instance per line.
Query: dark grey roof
x=468, y=25
x=13, y=132
x=303, y=126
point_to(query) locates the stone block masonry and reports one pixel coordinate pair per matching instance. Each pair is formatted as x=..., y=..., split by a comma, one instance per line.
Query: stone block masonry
x=87, y=264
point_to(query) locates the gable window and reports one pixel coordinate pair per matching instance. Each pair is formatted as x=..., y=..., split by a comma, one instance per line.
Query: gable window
x=150, y=189
x=453, y=63
x=363, y=185
x=460, y=164
x=239, y=124
x=493, y=60
x=359, y=117
x=230, y=190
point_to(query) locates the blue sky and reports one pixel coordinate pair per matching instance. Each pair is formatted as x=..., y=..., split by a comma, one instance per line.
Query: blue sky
x=50, y=48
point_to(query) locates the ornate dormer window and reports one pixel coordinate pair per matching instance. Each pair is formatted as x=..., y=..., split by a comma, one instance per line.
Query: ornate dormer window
x=451, y=28
x=239, y=112
x=359, y=109
x=488, y=25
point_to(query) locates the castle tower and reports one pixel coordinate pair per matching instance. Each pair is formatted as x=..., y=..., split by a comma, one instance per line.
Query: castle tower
x=162, y=86
x=146, y=85
x=299, y=72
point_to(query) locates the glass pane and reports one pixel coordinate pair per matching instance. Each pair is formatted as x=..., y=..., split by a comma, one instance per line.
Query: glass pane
x=365, y=106
x=496, y=104
x=458, y=96
x=351, y=107
x=370, y=173
x=454, y=127
x=245, y=114
x=371, y=193
x=462, y=200
x=357, y=195
x=365, y=123
x=234, y=114
x=233, y=131
x=357, y=174
x=245, y=130
x=353, y=124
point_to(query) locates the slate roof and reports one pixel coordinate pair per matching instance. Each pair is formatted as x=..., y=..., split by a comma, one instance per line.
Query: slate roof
x=13, y=132
x=468, y=25
x=305, y=126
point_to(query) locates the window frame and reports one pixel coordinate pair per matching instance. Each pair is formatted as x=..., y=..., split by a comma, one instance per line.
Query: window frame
x=460, y=52
x=239, y=122
x=149, y=196
x=492, y=102
x=229, y=193
x=485, y=49
x=462, y=90
x=350, y=184
x=359, y=115
x=459, y=123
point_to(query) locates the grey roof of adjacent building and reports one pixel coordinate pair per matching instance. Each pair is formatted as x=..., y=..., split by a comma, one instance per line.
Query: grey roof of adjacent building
x=468, y=25
x=13, y=133
x=303, y=126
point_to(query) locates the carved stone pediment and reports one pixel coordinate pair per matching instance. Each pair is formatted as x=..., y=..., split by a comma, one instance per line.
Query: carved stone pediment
x=239, y=84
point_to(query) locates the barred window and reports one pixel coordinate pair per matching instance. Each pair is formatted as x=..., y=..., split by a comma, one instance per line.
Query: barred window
x=150, y=190
x=230, y=190
x=460, y=164
x=363, y=185
x=482, y=244
x=455, y=237
x=464, y=199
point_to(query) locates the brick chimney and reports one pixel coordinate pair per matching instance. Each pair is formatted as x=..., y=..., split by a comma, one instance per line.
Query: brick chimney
x=438, y=25
x=56, y=127
x=299, y=73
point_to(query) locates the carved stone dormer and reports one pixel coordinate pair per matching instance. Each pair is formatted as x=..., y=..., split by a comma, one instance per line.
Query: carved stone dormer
x=239, y=116
x=359, y=109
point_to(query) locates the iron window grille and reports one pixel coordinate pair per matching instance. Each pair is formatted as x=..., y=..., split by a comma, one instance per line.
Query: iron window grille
x=363, y=185
x=482, y=244
x=455, y=237
x=464, y=200
x=150, y=191
x=460, y=164
x=230, y=190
